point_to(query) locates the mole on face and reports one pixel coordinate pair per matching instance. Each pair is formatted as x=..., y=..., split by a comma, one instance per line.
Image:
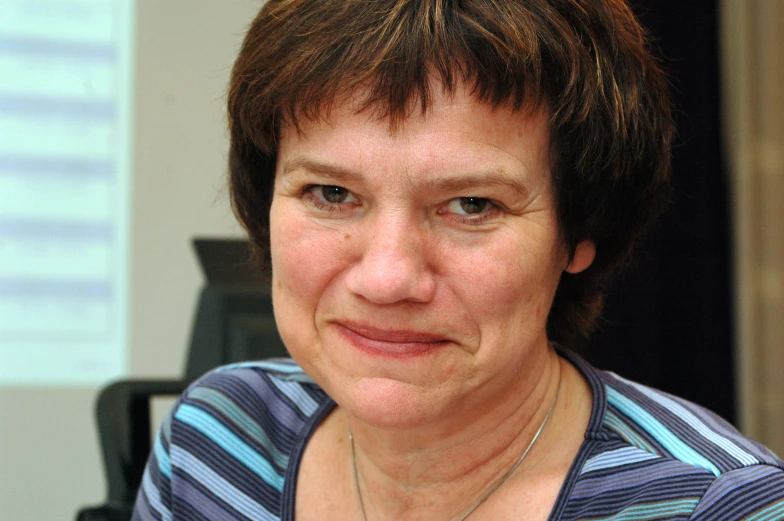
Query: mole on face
x=347, y=237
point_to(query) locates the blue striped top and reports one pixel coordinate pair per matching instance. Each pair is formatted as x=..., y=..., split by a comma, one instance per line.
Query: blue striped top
x=231, y=447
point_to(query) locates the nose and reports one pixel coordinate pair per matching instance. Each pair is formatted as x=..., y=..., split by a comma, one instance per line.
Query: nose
x=392, y=265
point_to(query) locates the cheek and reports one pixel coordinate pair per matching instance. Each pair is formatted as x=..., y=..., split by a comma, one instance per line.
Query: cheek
x=305, y=258
x=508, y=282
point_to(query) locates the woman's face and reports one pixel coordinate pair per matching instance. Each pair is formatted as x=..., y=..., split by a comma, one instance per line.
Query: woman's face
x=413, y=270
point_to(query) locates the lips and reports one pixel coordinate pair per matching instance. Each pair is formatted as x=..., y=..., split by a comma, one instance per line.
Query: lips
x=391, y=342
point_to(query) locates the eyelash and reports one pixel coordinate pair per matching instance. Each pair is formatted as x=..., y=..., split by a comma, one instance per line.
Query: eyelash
x=477, y=220
x=307, y=193
x=490, y=213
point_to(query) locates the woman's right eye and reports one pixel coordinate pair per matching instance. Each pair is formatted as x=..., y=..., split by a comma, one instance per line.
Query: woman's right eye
x=331, y=195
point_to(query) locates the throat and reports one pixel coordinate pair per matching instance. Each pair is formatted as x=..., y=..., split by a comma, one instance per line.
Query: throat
x=490, y=479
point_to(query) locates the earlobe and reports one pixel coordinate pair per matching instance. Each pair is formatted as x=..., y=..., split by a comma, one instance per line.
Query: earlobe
x=584, y=254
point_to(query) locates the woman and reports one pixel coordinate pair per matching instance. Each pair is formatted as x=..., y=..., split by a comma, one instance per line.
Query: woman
x=444, y=189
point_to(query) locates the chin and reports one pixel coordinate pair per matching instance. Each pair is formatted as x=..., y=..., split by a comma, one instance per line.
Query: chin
x=385, y=403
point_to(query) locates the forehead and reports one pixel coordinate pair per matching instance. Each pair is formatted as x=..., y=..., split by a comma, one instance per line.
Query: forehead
x=455, y=132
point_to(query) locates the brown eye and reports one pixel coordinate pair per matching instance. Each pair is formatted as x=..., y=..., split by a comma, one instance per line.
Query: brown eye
x=334, y=194
x=473, y=205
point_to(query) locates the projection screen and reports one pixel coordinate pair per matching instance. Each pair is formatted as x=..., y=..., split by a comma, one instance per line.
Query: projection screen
x=65, y=127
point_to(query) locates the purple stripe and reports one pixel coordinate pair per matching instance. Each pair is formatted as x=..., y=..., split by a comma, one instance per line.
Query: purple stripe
x=745, y=499
x=199, y=501
x=59, y=167
x=271, y=396
x=733, y=480
x=613, y=480
x=58, y=49
x=141, y=509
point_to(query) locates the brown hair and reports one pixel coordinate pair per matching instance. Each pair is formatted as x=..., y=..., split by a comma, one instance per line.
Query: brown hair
x=611, y=125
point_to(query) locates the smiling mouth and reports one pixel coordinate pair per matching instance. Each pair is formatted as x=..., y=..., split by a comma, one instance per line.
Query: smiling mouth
x=393, y=343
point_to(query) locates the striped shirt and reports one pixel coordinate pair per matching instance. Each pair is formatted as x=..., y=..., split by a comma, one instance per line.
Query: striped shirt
x=231, y=447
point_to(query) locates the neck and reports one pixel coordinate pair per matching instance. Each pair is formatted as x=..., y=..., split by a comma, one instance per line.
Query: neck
x=420, y=470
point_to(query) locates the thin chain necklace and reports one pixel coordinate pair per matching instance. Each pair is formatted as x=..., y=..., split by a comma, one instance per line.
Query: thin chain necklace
x=486, y=494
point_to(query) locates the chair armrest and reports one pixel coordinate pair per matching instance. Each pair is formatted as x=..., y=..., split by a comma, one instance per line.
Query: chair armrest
x=105, y=513
x=123, y=418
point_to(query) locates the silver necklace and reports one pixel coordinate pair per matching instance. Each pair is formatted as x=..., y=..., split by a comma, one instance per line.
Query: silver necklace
x=486, y=494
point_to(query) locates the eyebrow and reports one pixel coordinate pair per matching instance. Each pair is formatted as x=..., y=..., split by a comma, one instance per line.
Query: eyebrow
x=324, y=169
x=500, y=177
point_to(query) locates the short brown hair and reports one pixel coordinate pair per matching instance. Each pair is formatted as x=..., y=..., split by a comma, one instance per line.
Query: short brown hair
x=587, y=60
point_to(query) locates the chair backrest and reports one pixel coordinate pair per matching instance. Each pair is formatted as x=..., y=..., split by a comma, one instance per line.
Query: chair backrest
x=233, y=323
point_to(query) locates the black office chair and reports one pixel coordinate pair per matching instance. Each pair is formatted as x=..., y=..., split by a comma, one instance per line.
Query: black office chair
x=233, y=323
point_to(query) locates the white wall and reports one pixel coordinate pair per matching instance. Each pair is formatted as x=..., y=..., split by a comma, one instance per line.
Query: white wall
x=49, y=455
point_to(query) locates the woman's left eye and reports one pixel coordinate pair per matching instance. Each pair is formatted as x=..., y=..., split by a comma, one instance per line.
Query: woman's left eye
x=469, y=205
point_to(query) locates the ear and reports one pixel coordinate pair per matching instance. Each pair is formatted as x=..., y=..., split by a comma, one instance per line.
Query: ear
x=584, y=254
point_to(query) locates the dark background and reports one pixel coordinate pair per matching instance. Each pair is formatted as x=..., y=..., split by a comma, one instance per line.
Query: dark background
x=668, y=322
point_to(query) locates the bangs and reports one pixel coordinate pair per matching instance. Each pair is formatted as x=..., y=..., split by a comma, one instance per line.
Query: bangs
x=389, y=54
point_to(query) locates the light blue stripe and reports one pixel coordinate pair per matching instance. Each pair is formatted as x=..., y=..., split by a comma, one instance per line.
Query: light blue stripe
x=663, y=435
x=615, y=458
x=229, y=442
x=164, y=463
x=720, y=441
x=287, y=366
x=154, y=496
x=653, y=511
x=278, y=367
x=217, y=485
x=294, y=390
x=248, y=425
x=774, y=512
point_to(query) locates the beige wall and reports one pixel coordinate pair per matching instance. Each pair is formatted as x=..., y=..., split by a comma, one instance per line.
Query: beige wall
x=753, y=45
x=49, y=461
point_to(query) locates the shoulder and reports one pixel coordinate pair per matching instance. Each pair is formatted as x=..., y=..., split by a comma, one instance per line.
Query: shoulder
x=260, y=383
x=234, y=430
x=265, y=401
x=673, y=428
x=653, y=454
x=749, y=493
